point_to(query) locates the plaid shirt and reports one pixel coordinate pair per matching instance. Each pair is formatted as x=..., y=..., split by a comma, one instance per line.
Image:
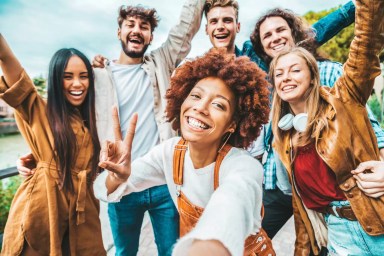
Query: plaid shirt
x=329, y=73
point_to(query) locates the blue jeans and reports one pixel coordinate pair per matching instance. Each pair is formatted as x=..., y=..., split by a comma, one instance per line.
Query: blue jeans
x=347, y=237
x=126, y=218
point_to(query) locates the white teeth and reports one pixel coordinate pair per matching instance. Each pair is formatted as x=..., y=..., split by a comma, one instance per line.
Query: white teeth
x=221, y=36
x=76, y=93
x=196, y=123
x=289, y=87
x=278, y=47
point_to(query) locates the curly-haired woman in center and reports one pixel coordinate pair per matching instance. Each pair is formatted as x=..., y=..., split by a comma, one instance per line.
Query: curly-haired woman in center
x=218, y=102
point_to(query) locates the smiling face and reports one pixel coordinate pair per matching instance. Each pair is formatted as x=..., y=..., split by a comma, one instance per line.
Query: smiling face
x=222, y=27
x=135, y=36
x=75, y=81
x=292, y=79
x=207, y=112
x=275, y=36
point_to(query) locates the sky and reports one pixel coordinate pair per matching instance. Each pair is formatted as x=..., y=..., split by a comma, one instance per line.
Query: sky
x=36, y=29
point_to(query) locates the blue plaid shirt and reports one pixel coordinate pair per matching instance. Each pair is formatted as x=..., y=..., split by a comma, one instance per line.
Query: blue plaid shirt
x=329, y=73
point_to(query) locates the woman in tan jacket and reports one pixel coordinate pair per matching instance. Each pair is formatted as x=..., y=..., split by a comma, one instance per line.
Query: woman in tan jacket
x=323, y=134
x=54, y=212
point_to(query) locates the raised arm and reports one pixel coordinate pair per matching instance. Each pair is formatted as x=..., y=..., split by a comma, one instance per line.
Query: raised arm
x=363, y=64
x=330, y=25
x=178, y=44
x=10, y=65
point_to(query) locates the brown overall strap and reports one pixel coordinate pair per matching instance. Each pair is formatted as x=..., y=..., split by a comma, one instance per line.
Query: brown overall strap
x=178, y=161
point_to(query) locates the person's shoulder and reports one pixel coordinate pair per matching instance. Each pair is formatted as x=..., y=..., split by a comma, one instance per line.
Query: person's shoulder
x=329, y=63
x=242, y=157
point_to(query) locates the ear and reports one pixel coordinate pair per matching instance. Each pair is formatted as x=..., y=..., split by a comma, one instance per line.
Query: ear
x=150, y=41
x=206, y=29
x=119, y=33
x=232, y=127
x=238, y=27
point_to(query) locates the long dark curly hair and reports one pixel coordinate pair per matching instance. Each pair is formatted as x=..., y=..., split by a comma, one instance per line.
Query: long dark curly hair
x=245, y=79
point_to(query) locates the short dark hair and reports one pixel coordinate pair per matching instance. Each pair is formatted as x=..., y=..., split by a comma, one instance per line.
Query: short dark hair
x=245, y=79
x=147, y=14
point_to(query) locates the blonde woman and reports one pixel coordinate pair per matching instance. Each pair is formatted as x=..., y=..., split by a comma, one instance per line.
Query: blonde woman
x=322, y=134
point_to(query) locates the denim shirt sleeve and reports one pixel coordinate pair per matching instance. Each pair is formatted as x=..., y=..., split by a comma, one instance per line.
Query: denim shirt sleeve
x=333, y=23
x=376, y=128
x=248, y=51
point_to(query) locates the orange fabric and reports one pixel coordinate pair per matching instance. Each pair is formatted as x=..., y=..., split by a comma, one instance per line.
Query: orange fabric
x=190, y=213
x=41, y=214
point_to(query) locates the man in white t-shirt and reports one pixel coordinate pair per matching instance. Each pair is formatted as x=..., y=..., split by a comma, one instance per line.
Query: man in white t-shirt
x=137, y=82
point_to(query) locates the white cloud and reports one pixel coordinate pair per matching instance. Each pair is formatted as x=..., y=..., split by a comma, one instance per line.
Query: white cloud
x=36, y=29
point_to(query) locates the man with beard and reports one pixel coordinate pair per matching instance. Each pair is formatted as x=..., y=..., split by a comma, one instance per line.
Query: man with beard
x=137, y=82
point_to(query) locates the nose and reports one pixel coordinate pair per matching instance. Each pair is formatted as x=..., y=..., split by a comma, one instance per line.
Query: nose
x=201, y=107
x=275, y=37
x=76, y=81
x=136, y=28
x=286, y=76
x=220, y=24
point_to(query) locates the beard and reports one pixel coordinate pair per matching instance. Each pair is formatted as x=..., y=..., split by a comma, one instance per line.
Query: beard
x=133, y=54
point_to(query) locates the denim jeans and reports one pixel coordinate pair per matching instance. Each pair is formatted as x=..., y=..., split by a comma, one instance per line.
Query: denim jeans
x=347, y=237
x=126, y=218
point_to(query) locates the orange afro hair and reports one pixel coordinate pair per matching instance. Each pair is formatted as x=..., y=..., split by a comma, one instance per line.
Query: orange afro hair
x=246, y=80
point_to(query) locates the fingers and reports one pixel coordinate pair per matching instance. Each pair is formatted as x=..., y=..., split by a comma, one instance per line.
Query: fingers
x=27, y=157
x=121, y=171
x=25, y=165
x=25, y=172
x=131, y=131
x=116, y=124
x=98, y=61
x=368, y=165
x=106, y=151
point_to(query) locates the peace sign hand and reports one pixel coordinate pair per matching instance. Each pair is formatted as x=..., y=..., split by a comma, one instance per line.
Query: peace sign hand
x=116, y=156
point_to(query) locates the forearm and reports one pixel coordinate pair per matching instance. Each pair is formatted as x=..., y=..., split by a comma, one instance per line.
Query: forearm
x=330, y=25
x=112, y=184
x=178, y=44
x=363, y=65
x=10, y=65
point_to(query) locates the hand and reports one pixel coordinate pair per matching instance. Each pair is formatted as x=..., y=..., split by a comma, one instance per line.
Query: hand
x=116, y=156
x=98, y=61
x=26, y=165
x=370, y=178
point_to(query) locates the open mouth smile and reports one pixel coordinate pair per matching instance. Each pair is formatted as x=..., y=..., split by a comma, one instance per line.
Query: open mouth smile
x=76, y=93
x=197, y=124
x=278, y=47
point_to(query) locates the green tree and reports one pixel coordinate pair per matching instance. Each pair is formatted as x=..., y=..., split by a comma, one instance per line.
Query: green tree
x=336, y=48
x=8, y=189
x=41, y=85
x=374, y=105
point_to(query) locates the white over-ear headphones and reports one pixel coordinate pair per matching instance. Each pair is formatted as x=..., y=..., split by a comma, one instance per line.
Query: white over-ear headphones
x=299, y=122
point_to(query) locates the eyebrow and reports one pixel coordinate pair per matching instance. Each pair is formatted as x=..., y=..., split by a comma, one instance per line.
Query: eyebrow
x=269, y=32
x=294, y=64
x=71, y=73
x=217, y=95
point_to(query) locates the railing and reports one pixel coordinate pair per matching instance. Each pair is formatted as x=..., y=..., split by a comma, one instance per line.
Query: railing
x=6, y=173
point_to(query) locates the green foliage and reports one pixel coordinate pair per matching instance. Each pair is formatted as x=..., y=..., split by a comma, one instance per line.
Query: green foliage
x=337, y=48
x=8, y=189
x=374, y=104
x=41, y=85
